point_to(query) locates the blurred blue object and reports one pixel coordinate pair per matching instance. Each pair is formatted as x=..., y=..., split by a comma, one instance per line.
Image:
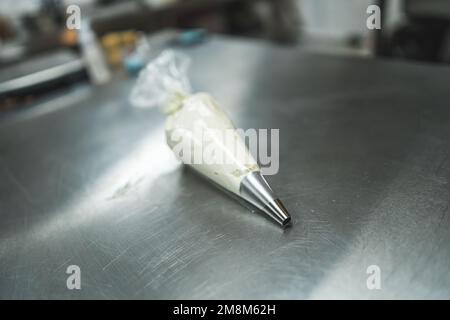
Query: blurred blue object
x=133, y=63
x=191, y=37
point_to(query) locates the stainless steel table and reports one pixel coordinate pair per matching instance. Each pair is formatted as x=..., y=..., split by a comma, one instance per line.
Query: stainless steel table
x=87, y=180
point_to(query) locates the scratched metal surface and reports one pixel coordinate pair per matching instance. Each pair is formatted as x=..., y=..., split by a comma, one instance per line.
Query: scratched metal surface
x=364, y=169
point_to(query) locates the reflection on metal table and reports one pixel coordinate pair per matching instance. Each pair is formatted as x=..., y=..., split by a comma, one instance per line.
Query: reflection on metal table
x=364, y=171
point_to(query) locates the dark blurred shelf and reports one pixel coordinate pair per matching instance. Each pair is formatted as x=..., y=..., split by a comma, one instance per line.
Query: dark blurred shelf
x=38, y=74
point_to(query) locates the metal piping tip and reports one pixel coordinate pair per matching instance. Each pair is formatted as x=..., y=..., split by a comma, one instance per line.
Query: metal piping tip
x=279, y=212
x=255, y=189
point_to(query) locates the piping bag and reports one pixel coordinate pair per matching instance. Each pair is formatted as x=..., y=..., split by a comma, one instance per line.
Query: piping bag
x=201, y=135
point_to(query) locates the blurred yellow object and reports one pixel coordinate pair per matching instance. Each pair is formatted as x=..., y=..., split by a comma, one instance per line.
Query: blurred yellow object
x=111, y=40
x=129, y=38
x=68, y=37
x=114, y=57
x=117, y=44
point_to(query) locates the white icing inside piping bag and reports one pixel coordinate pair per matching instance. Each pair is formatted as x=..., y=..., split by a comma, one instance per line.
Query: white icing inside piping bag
x=201, y=135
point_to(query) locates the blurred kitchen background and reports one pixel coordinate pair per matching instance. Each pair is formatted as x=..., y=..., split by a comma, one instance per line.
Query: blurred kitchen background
x=39, y=55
